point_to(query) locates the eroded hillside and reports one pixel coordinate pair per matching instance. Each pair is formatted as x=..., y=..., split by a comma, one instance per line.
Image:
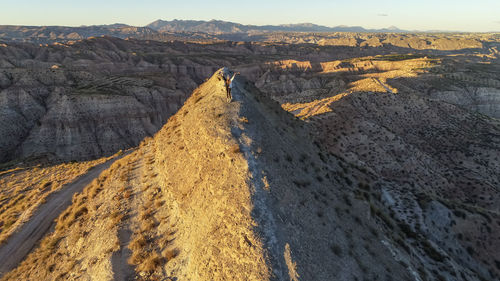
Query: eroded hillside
x=393, y=156
x=211, y=197
x=439, y=163
x=86, y=99
x=244, y=190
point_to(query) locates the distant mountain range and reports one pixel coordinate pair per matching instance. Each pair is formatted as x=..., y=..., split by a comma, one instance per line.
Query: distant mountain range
x=193, y=31
x=224, y=27
x=47, y=34
x=166, y=30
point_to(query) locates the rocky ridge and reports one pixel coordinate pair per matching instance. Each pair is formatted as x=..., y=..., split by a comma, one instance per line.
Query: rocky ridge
x=228, y=208
x=245, y=190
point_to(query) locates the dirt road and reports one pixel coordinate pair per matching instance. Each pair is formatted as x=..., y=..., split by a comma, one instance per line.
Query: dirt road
x=389, y=90
x=20, y=243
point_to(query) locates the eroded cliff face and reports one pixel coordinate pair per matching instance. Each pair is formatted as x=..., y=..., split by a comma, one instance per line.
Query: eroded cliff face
x=89, y=99
x=292, y=81
x=480, y=99
x=85, y=99
x=88, y=126
x=61, y=121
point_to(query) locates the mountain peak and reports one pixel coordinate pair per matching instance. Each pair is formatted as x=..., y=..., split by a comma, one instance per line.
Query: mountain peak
x=218, y=26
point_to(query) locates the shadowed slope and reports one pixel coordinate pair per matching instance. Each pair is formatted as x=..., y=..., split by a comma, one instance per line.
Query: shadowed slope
x=438, y=172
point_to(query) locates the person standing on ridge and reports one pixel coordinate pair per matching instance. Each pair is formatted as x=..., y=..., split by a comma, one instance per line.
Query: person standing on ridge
x=226, y=84
x=229, y=86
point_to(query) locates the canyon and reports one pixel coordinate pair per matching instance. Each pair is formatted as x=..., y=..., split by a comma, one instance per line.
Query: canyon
x=337, y=149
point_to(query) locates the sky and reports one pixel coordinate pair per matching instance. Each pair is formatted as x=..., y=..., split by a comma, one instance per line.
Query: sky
x=451, y=15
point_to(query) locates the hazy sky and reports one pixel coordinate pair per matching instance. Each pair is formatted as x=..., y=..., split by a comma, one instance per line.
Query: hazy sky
x=479, y=15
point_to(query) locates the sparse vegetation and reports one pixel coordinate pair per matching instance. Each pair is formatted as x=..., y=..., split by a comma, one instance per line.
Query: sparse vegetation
x=25, y=189
x=346, y=191
x=71, y=226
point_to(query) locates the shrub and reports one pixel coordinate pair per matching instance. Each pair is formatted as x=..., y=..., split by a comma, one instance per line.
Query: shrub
x=127, y=194
x=148, y=225
x=94, y=191
x=117, y=217
x=170, y=254
x=51, y=242
x=151, y=262
x=146, y=214
x=433, y=253
x=235, y=148
x=137, y=243
x=336, y=250
x=80, y=212
x=136, y=258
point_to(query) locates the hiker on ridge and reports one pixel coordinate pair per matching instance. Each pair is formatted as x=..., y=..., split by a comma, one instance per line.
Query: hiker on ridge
x=229, y=86
x=229, y=82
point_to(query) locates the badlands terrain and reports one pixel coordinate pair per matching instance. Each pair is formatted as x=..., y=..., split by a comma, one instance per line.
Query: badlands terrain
x=343, y=156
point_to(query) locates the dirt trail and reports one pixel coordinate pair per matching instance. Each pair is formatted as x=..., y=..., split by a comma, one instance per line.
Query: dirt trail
x=122, y=270
x=389, y=90
x=20, y=243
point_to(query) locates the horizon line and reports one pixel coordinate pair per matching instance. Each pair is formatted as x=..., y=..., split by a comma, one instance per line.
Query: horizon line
x=262, y=25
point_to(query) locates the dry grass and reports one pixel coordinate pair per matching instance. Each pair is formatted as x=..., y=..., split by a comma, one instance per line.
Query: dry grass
x=151, y=263
x=23, y=190
x=159, y=203
x=148, y=225
x=70, y=215
x=116, y=218
x=146, y=213
x=138, y=243
x=147, y=245
x=127, y=194
x=170, y=253
x=90, y=218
